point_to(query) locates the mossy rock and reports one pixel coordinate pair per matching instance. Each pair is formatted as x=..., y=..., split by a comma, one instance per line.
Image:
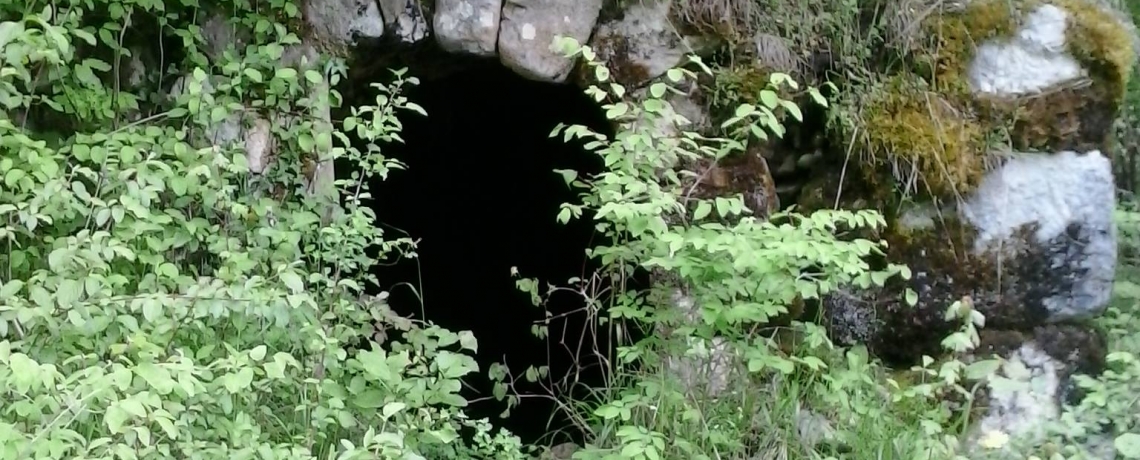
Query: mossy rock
x=1099, y=37
x=1034, y=245
x=933, y=129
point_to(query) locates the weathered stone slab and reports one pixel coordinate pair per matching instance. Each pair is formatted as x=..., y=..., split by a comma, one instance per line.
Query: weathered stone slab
x=467, y=26
x=527, y=31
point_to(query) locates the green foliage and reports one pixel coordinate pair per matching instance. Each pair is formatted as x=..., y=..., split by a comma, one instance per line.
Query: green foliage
x=717, y=378
x=160, y=301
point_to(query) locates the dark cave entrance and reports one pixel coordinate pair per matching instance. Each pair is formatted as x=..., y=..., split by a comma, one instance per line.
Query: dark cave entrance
x=481, y=194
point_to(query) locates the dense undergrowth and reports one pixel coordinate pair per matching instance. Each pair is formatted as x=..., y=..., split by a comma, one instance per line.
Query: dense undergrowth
x=159, y=300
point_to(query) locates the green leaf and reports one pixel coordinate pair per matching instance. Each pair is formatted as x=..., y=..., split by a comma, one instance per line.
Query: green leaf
x=375, y=364
x=1128, y=444
x=157, y=377
x=287, y=73
x=817, y=97
x=769, y=98
x=68, y=292
x=293, y=281
x=454, y=365
x=151, y=309
x=617, y=110
x=608, y=412
x=257, y=353
x=274, y=369
x=40, y=296
x=467, y=341
x=415, y=108
x=82, y=34
x=793, y=110
x=369, y=399
x=9, y=289
x=981, y=369
x=9, y=30
x=87, y=77
x=703, y=210
x=880, y=278
x=602, y=74
x=911, y=297
x=133, y=407
x=568, y=175
x=13, y=176
x=253, y=74
x=60, y=40
x=306, y=142
x=121, y=377
x=239, y=381
x=115, y=417
x=392, y=408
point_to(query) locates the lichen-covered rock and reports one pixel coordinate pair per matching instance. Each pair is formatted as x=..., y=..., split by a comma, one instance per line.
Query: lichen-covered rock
x=1067, y=199
x=1034, y=244
x=641, y=44
x=706, y=368
x=259, y=145
x=407, y=19
x=527, y=31
x=219, y=34
x=1037, y=381
x=467, y=26
x=1033, y=59
x=338, y=24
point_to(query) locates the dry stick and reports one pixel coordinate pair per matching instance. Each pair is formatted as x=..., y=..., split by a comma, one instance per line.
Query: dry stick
x=118, y=68
x=843, y=172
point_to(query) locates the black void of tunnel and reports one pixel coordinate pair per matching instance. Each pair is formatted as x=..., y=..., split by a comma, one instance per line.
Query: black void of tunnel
x=481, y=195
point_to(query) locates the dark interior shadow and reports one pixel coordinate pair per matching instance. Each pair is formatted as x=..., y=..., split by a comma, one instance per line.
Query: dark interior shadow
x=481, y=195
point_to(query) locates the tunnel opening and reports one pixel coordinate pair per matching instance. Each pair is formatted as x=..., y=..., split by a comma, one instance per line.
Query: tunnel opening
x=481, y=196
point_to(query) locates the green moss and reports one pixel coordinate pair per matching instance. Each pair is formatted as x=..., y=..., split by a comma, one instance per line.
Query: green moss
x=947, y=244
x=1067, y=117
x=1101, y=41
x=924, y=136
x=1097, y=38
x=734, y=85
x=922, y=125
x=954, y=37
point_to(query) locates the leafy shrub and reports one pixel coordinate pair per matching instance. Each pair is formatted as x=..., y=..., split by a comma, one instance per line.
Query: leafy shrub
x=160, y=301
